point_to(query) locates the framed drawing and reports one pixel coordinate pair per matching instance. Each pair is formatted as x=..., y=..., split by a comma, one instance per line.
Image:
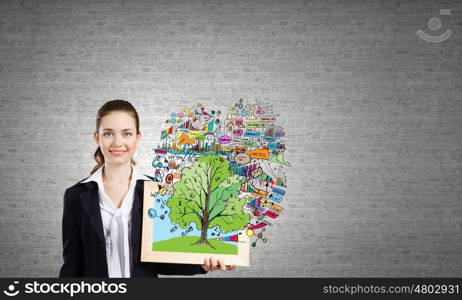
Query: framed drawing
x=163, y=240
x=217, y=185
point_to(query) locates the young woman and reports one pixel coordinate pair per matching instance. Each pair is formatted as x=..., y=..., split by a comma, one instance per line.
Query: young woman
x=102, y=213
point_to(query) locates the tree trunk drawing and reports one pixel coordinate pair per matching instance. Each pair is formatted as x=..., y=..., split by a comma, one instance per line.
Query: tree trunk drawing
x=205, y=221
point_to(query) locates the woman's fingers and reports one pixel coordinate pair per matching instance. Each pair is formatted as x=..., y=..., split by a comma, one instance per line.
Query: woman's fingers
x=213, y=264
x=206, y=265
x=221, y=265
x=230, y=268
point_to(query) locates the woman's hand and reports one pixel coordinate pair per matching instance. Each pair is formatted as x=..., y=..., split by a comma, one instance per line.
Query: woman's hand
x=212, y=264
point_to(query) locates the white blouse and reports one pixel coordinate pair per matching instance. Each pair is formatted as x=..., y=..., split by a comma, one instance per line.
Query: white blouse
x=117, y=224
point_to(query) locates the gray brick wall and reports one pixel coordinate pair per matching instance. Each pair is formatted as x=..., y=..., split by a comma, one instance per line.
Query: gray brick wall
x=373, y=115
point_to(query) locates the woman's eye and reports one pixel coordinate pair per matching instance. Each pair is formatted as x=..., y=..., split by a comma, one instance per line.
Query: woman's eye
x=124, y=134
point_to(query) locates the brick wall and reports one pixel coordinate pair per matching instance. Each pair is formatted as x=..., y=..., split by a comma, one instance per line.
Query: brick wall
x=373, y=116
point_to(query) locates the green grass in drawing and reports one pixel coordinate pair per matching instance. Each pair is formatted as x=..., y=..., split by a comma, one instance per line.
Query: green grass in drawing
x=188, y=244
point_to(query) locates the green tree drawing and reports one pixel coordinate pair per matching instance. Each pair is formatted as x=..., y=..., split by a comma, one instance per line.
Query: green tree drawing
x=207, y=195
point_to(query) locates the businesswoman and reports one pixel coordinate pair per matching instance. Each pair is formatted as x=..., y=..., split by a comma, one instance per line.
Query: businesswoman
x=102, y=214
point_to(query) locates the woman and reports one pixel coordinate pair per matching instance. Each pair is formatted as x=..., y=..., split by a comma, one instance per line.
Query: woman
x=102, y=214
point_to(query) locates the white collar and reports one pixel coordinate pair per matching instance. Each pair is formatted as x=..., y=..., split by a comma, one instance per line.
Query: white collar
x=117, y=219
x=98, y=175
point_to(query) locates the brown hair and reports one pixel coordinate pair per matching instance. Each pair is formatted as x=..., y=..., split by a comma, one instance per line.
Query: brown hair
x=107, y=108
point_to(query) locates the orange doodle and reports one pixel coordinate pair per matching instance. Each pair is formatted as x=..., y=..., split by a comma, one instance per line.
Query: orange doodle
x=259, y=153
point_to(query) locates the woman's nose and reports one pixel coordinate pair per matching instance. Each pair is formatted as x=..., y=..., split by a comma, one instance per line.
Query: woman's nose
x=117, y=140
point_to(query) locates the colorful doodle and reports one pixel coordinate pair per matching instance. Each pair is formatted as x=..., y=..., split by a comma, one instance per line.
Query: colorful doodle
x=219, y=175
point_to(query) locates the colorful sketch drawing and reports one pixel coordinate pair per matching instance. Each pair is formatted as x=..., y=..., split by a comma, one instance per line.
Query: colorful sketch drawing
x=218, y=184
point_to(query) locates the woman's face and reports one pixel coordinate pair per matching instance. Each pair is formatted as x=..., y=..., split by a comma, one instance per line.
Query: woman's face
x=117, y=137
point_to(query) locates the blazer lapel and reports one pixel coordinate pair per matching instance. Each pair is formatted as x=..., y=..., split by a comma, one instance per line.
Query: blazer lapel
x=136, y=213
x=90, y=203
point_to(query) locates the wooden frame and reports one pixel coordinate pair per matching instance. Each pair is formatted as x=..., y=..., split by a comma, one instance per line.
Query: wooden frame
x=147, y=243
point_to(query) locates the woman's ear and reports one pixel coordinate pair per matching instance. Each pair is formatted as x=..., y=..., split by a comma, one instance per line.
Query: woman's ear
x=96, y=137
x=138, y=138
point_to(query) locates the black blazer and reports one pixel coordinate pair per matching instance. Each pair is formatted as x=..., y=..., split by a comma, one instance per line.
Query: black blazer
x=84, y=246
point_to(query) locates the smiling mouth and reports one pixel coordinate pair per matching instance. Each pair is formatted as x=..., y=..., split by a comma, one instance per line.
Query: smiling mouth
x=118, y=152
